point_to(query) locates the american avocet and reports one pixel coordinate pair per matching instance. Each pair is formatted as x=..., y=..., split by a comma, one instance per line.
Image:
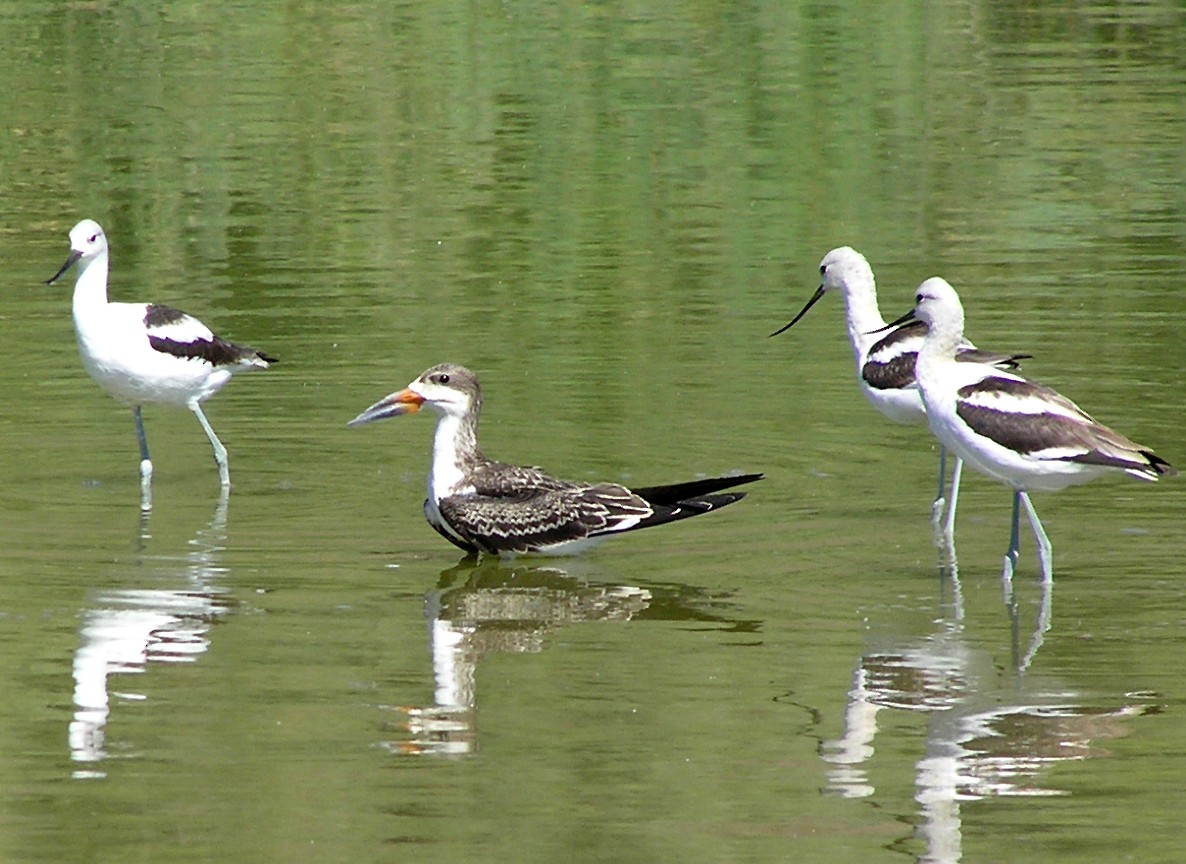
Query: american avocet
x=885, y=361
x=146, y=353
x=493, y=507
x=1014, y=430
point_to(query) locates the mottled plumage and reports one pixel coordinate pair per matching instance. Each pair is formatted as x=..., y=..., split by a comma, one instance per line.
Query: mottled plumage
x=498, y=508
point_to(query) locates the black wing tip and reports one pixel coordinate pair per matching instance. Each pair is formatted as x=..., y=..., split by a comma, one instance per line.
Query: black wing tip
x=751, y=478
x=1158, y=465
x=216, y=351
x=730, y=480
x=714, y=502
x=674, y=493
x=689, y=507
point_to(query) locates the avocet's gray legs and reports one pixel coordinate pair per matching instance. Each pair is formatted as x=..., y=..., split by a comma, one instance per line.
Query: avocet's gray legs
x=956, y=473
x=940, y=501
x=224, y=472
x=1014, y=548
x=145, y=461
x=1045, y=551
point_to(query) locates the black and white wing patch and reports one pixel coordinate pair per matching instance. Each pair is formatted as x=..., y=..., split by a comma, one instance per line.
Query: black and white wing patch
x=173, y=332
x=889, y=365
x=991, y=358
x=1041, y=424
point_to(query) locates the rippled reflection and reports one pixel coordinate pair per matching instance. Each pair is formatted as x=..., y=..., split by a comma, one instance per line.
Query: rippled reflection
x=126, y=629
x=984, y=738
x=949, y=576
x=491, y=608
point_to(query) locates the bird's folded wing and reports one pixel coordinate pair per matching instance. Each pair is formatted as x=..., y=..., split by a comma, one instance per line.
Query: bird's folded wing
x=542, y=518
x=1040, y=423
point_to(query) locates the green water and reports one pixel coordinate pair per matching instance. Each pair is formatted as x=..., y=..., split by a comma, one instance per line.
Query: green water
x=603, y=210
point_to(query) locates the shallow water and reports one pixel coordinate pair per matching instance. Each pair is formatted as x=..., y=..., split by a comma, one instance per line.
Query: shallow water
x=603, y=212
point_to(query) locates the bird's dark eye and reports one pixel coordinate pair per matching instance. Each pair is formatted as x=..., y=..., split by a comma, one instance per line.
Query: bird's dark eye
x=443, y=378
x=823, y=269
x=94, y=237
x=918, y=299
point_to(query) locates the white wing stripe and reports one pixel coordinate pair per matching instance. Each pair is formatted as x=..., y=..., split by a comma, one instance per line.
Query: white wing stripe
x=1010, y=403
x=187, y=329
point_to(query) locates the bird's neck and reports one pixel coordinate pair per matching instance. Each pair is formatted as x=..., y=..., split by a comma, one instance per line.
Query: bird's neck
x=863, y=316
x=943, y=341
x=90, y=291
x=454, y=453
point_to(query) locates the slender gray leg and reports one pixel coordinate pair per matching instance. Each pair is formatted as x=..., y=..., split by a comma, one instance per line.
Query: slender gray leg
x=145, y=459
x=940, y=503
x=1045, y=551
x=956, y=473
x=145, y=462
x=224, y=473
x=1014, y=546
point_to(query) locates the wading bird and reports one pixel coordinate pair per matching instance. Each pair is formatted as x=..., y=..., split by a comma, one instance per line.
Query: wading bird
x=146, y=353
x=497, y=508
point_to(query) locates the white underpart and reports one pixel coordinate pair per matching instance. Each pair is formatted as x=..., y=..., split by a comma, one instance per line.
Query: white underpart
x=114, y=347
x=447, y=476
x=849, y=273
x=940, y=376
x=569, y=547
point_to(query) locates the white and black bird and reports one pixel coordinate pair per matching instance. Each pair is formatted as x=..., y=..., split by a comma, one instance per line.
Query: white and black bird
x=146, y=353
x=1014, y=430
x=885, y=360
x=497, y=508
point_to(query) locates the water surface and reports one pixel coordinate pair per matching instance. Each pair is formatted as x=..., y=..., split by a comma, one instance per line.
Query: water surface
x=603, y=211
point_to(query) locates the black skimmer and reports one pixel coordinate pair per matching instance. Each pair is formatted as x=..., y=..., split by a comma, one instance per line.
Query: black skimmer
x=484, y=506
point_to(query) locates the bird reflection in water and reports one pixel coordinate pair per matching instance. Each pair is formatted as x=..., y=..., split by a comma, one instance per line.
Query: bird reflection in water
x=987, y=735
x=492, y=607
x=126, y=629
x=489, y=606
x=949, y=579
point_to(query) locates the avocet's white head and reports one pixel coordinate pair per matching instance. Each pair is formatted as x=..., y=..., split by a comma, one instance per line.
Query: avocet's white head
x=844, y=269
x=87, y=242
x=449, y=389
x=938, y=305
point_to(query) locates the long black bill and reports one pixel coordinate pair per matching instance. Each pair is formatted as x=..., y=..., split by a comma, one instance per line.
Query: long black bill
x=898, y=322
x=74, y=256
x=819, y=292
